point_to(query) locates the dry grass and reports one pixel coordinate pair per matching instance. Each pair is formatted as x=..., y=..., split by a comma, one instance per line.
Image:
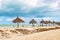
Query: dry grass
x=24, y=31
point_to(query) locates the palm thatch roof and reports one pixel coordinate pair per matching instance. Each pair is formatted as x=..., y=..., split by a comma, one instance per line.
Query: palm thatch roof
x=58, y=23
x=42, y=21
x=45, y=22
x=17, y=20
x=32, y=21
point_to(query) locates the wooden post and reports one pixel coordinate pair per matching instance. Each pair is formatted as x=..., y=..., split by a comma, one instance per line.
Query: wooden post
x=17, y=24
x=32, y=24
x=49, y=24
x=42, y=24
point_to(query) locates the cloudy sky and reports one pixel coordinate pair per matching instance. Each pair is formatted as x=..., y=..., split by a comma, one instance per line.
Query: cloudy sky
x=28, y=9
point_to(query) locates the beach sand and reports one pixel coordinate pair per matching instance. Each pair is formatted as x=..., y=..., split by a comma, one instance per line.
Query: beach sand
x=6, y=34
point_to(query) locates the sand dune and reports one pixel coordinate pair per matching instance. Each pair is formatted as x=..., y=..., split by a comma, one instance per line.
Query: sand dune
x=11, y=34
x=47, y=35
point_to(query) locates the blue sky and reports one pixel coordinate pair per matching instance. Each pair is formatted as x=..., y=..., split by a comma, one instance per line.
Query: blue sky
x=28, y=9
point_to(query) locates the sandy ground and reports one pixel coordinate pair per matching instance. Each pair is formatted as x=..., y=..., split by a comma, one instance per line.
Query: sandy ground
x=46, y=35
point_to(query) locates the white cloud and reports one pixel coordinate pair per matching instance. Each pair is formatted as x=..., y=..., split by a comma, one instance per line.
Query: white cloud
x=3, y=5
x=54, y=6
x=9, y=19
x=27, y=5
x=0, y=4
x=30, y=3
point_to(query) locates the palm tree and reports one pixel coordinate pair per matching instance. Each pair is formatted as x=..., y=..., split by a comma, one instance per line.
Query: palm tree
x=32, y=22
x=18, y=20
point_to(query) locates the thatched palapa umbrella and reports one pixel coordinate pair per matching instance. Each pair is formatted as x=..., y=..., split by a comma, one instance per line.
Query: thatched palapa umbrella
x=42, y=22
x=53, y=23
x=47, y=22
x=33, y=22
x=18, y=20
x=58, y=23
